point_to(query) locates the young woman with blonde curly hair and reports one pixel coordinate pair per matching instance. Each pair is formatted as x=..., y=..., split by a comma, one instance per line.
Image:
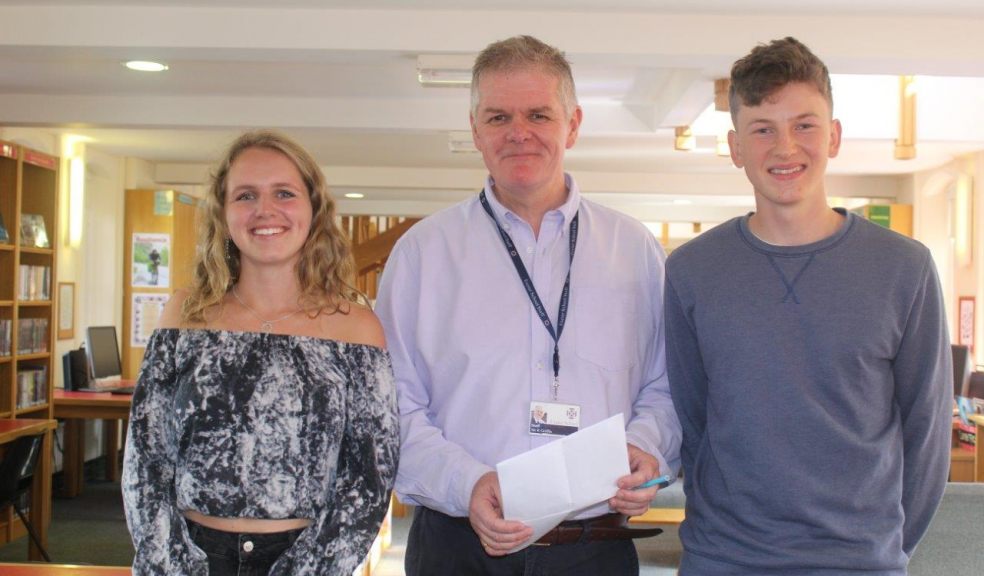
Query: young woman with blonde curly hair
x=263, y=436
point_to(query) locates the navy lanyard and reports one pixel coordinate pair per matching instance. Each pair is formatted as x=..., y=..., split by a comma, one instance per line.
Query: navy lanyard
x=524, y=276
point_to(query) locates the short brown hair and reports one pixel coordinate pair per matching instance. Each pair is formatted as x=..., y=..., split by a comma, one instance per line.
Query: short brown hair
x=770, y=67
x=521, y=52
x=325, y=269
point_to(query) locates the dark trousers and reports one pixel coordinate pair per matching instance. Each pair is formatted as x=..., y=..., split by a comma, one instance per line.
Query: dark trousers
x=439, y=545
x=239, y=554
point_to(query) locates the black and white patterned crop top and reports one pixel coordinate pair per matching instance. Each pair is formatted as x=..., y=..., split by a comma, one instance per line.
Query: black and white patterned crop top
x=251, y=425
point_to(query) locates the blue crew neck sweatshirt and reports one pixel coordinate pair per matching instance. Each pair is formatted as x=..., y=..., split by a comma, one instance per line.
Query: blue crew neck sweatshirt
x=812, y=383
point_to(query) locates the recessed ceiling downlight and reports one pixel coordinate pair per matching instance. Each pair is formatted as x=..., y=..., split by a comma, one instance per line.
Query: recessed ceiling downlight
x=146, y=66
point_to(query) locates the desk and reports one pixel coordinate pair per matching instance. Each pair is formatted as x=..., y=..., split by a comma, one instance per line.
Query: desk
x=75, y=408
x=968, y=465
x=62, y=570
x=41, y=487
x=978, y=419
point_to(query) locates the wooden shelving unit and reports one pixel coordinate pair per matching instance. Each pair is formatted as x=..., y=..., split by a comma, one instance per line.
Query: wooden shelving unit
x=28, y=186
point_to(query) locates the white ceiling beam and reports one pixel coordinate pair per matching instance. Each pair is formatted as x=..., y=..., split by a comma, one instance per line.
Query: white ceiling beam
x=234, y=111
x=860, y=44
x=442, y=180
x=671, y=99
x=210, y=111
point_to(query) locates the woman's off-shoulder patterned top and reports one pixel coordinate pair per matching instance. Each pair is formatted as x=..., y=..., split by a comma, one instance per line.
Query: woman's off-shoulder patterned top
x=251, y=425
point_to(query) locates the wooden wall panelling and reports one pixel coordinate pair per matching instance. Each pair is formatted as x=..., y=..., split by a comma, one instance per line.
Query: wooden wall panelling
x=156, y=212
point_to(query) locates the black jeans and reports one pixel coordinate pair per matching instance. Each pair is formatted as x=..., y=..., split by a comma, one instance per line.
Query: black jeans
x=239, y=554
x=439, y=545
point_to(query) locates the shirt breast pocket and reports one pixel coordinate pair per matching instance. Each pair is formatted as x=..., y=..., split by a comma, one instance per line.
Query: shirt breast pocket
x=608, y=325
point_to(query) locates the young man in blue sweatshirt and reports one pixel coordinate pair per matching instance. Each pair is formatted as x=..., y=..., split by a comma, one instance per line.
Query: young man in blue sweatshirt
x=808, y=357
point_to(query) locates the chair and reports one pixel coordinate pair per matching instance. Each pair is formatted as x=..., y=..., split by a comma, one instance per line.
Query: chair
x=16, y=472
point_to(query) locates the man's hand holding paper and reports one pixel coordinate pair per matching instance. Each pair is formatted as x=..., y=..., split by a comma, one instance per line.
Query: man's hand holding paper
x=498, y=536
x=630, y=499
x=547, y=485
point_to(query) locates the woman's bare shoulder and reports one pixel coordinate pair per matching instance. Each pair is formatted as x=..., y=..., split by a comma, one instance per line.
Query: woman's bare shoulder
x=172, y=317
x=357, y=324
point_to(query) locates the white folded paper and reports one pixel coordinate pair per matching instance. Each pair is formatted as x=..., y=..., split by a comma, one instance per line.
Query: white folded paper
x=549, y=484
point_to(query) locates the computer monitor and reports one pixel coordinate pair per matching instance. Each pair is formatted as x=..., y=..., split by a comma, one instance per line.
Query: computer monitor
x=103, y=352
x=976, y=386
x=962, y=367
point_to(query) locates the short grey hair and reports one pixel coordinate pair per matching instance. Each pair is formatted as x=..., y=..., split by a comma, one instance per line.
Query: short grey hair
x=523, y=52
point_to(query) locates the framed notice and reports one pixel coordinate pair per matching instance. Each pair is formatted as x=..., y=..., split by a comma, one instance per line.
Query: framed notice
x=965, y=321
x=66, y=310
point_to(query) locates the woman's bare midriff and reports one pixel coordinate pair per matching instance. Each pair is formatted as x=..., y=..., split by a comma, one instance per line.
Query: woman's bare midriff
x=246, y=525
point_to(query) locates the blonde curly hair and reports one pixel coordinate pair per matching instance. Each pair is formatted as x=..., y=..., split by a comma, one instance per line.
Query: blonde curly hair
x=325, y=270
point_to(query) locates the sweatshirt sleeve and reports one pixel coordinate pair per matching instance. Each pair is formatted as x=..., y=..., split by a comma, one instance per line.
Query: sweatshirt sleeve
x=688, y=380
x=923, y=379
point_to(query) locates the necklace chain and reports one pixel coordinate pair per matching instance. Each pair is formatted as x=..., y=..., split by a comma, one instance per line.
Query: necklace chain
x=265, y=325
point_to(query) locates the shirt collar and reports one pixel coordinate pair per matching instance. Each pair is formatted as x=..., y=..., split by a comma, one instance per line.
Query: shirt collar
x=567, y=210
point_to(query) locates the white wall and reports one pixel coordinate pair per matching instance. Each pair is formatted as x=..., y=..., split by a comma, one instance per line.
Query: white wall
x=934, y=195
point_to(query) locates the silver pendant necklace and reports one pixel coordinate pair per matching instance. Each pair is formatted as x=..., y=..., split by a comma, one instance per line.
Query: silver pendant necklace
x=265, y=325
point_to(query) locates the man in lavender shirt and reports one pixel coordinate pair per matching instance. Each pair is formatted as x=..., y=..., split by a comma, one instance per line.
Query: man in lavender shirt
x=565, y=323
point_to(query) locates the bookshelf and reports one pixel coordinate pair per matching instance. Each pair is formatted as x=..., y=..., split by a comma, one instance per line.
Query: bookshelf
x=28, y=198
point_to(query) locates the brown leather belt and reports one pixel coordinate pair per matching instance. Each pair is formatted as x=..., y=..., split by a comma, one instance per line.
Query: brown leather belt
x=607, y=527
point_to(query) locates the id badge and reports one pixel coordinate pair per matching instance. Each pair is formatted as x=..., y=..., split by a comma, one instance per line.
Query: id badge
x=553, y=419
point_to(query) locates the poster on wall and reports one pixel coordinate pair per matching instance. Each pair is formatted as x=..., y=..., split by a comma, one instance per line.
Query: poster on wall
x=146, y=310
x=151, y=258
x=965, y=321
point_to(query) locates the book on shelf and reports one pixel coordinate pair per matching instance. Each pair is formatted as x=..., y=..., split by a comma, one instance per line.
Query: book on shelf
x=32, y=386
x=32, y=335
x=34, y=283
x=33, y=232
x=4, y=235
x=966, y=430
x=5, y=324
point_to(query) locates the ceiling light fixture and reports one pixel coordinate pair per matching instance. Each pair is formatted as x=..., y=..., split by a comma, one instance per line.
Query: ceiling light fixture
x=905, y=146
x=354, y=195
x=684, y=139
x=446, y=70
x=145, y=66
x=963, y=210
x=461, y=142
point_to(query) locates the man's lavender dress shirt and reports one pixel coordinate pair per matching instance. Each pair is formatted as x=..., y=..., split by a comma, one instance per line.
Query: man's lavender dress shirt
x=470, y=353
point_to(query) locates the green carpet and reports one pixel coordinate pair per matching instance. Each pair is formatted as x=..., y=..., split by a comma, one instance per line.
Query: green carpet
x=88, y=529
